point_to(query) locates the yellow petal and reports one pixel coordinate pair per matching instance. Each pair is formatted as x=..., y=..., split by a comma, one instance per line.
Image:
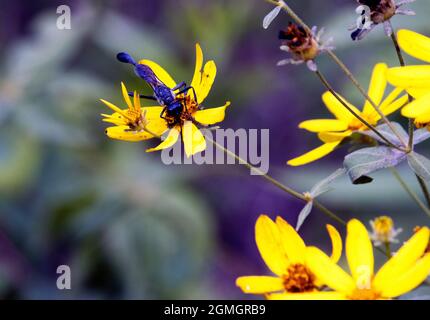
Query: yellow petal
x=319, y=125
x=417, y=107
x=395, y=105
x=414, y=44
x=168, y=142
x=193, y=139
x=197, y=77
x=293, y=244
x=386, y=105
x=159, y=71
x=359, y=253
x=207, y=80
x=116, y=109
x=212, y=115
x=126, y=96
x=259, y=284
x=268, y=239
x=418, y=92
x=422, y=120
x=409, y=76
x=314, y=154
x=136, y=102
x=317, y=295
x=409, y=280
x=328, y=272
x=407, y=255
x=337, y=108
x=336, y=243
x=124, y=133
x=152, y=112
x=328, y=137
x=378, y=84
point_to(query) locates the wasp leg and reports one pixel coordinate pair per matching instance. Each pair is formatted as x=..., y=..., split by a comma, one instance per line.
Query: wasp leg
x=179, y=86
x=185, y=91
x=162, y=113
x=141, y=96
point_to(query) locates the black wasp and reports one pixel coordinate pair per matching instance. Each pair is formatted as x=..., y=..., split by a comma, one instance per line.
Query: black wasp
x=174, y=106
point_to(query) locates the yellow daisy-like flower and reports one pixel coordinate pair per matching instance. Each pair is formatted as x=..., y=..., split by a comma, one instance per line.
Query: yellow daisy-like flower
x=137, y=123
x=405, y=271
x=414, y=79
x=333, y=131
x=202, y=82
x=134, y=123
x=283, y=251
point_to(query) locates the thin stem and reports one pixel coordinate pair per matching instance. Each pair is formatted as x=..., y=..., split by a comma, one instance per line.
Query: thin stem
x=387, y=250
x=411, y=193
x=276, y=183
x=344, y=68
x=333, y=92
x=424, y=188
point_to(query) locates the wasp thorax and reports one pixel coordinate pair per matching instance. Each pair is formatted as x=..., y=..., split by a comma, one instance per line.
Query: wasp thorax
x=300, y=42
x=380, y=10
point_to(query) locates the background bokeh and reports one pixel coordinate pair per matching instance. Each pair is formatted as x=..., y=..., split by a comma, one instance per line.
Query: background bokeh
x=127, y=225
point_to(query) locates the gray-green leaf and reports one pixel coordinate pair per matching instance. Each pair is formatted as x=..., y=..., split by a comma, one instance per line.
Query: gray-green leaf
x=365, y=161
x=268, y=19
x=420, y=165
x=304, y=214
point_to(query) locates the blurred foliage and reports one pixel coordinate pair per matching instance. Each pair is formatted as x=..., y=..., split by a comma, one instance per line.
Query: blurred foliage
x=128, y=226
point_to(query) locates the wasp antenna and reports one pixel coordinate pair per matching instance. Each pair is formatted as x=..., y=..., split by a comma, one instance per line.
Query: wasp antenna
x=125, y=58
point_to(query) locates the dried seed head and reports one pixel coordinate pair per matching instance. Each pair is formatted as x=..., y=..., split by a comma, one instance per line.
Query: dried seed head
x=303, y=45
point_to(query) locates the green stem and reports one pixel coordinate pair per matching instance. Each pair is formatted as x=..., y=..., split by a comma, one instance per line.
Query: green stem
x=278, y=184
x=387, y=250
x=411, y=193
x=411, y=127
x=344, y=68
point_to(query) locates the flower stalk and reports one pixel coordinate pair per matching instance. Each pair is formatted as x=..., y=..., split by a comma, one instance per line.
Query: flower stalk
x=344, y=68
x=411, y=126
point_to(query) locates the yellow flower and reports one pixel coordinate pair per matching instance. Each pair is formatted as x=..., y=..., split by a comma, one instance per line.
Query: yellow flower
x=405, y=271
x=414, y=79
x=134, y=123
x=202, y=81
x=283, y=251
x=383, y=231
x=333, y=131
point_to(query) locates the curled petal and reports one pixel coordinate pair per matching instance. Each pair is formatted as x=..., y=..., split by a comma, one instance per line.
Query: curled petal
x=336, y=243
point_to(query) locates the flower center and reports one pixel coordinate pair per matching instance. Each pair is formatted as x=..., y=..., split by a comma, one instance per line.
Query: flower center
x=135, y=120
x=364, y=294
x=383, y=226
x=299, y=278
